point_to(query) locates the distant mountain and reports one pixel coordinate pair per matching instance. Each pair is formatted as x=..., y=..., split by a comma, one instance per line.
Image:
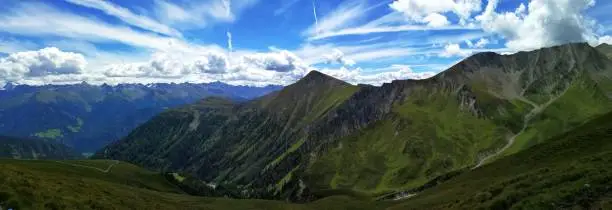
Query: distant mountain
x=88, y=117
x=323, y=136
x=15, y=148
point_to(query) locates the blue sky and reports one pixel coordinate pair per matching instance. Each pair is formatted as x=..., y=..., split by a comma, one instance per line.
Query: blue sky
x=257, y=42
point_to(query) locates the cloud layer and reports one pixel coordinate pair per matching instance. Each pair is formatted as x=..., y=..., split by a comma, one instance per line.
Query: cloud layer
x=203, y=41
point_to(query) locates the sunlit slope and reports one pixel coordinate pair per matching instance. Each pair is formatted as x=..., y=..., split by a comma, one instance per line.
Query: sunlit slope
x=483, y=108
x=573, y=170
x=322, y=134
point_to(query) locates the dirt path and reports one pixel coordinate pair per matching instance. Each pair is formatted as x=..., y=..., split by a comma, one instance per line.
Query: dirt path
x=526, y=119
x=115, y=162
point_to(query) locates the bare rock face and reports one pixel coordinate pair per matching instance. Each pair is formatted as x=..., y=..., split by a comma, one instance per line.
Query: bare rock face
x=323, y=134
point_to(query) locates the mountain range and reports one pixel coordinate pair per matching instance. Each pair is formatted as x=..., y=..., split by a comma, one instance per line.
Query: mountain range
x=569, y=171
x=87, y=117
x=321, y=136
x=530, y=130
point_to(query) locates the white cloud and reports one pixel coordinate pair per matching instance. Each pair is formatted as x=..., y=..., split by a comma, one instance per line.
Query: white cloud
x=199, y=13
x=541, y=23
x=419, y=10
x=34, y=19
x=346, y=14
x=454, y=50
x=385, y=75
x=14, y=45
x=47, y=61
x=283, y=61
x=482, y=42
x=436, y=20
x=376, y=26
x=127, y=16
x=249, y=68
x=605, y=40
x=230, y=46
x=285, y=6
x=337, y=56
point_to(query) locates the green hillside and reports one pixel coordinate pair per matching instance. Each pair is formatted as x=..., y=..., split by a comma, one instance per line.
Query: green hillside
x=571, y=171
x=321, y=135
x=89, y=185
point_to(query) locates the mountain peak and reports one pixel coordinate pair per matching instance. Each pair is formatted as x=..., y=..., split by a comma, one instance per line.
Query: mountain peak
x=315, y=76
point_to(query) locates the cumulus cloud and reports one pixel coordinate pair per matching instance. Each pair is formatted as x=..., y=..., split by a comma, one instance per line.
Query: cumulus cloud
x=378, y=76
x=436, y=20
x=47, y=61
x=430, y=12
x=482, y=42
x=337, y=56
x=250, y=68
x=281, y=61
x=541, y=23
x=453, y=50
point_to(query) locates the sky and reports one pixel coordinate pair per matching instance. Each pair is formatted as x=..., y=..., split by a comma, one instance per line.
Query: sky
x=257, y=42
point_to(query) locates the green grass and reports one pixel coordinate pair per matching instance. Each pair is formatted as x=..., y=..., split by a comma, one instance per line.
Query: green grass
x=52, y=185
x=425, y=137
x=571, y=171
x=294, y=147
x=329, y=101
x=580, y=103
x=50, y=134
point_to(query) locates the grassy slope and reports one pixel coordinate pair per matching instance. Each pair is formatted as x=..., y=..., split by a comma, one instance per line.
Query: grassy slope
x=55, y=185
x=237, y=143
x=572, y=170
x=409, y=148
x=582, y=101
x=393, y=137
x=432, y=132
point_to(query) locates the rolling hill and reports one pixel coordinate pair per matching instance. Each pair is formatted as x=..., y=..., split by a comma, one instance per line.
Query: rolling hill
x=107, y=184
x=87, y=117
x=322, y=136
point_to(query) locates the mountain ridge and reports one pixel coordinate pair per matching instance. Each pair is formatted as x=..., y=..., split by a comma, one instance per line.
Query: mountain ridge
x=396, y=136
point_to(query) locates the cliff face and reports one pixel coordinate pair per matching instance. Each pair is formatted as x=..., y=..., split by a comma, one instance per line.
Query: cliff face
x=322, y=133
